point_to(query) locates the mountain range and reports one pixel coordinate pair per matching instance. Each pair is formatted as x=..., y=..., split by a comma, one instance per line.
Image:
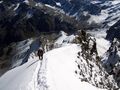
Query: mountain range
x=80, y=40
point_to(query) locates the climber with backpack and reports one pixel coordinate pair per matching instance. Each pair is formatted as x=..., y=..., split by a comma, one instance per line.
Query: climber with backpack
x=40, y=53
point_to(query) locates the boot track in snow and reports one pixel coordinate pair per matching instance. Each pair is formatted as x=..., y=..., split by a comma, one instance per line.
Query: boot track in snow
x=41, y=77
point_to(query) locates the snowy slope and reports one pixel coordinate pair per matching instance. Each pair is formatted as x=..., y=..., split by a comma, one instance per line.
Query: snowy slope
x=110, y=12
x=61, y=70
x=56, y=72
x=63, y=39
x=102, y=44
x=22, y=51
x=20, y=77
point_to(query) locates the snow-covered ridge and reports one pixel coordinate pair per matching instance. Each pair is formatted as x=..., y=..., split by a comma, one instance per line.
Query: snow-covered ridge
x=57, y=65
x=67, y=67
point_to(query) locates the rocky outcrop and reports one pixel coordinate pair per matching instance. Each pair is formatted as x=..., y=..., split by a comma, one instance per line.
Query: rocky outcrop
x=90, y=66
x=74, y=6
x=114, y=32
x=111, y=61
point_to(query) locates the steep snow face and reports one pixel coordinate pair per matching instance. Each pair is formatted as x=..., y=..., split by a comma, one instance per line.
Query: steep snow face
x=20, y=52
x=22, y=77
x=102, y=44
x=63, y=39
x=23, y=50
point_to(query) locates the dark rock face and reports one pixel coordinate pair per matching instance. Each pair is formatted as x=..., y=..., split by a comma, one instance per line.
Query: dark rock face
x=111, y=61
x=114, y=32
x=28, y=21
x=74, y=6
x=86, y=8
